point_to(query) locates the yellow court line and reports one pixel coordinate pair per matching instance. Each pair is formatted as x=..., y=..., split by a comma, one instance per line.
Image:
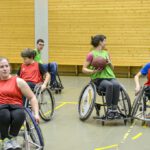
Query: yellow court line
x=145, y=126
x=107, y=147
x=61, y=105
x=137, y=136
x=69, y=102
x=126, y=135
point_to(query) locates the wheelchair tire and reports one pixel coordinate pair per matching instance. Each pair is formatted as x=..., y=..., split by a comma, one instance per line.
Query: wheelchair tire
x=46, y=104
x=34, y=129
x=124, y=103
x=88, y=97
x=137, y=103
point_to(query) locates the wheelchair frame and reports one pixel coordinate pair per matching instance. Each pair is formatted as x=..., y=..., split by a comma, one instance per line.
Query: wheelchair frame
x=140, y=105
x=39, y=95
x=27, y=130
x=93, y=104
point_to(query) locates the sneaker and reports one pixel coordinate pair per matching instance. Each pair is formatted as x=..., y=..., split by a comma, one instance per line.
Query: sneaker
x=110, y=114
x=7, y=145
x=54, y=84
x=117, y=115
x=15, y=144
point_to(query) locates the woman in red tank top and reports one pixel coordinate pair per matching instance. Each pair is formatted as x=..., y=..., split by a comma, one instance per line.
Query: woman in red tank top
x=12, y=114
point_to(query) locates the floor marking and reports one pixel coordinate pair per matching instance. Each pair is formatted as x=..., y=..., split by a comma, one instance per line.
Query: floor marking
x=137, y=136
x=126, y=135
x=61, y=105
x=145, y=126
x=107, y=147
x=69, y=102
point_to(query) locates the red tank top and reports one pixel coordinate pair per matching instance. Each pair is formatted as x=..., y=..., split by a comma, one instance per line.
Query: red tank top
x=148, y=78
x=9, y=92
x=31, y=73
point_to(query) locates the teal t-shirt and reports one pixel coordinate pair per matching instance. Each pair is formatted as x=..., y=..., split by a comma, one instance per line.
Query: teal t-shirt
x=107, y=72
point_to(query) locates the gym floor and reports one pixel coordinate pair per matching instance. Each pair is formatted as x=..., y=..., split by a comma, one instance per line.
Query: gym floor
x=66, y=132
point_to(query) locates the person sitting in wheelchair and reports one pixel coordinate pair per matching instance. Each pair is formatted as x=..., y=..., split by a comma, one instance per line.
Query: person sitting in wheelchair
x=31, y=71
x=50, y=67
x=104, y=77
x=145, y=71
x=12, y=114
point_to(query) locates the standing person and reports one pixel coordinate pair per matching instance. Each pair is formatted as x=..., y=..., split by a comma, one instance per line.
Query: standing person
x=12, y=114
x=50, y=67
x=104, y=78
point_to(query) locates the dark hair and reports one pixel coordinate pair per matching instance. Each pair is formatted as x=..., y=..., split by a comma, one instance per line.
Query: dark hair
x=29, y=53
x=96, y=39
x=40, y=40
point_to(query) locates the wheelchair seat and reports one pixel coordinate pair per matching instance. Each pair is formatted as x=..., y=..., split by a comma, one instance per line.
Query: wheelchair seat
x=147, y=91
x=101, y=91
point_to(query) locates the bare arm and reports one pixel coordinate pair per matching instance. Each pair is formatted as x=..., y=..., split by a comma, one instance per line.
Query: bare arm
x=47, y=78
x=137, y=83
x=27, y=92
x=109, y=62
x=86, y=70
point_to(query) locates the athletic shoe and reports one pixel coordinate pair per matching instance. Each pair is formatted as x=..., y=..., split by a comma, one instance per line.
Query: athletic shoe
x=15, y=144
x=7, y=145
x=117, y=115
x=110, y=114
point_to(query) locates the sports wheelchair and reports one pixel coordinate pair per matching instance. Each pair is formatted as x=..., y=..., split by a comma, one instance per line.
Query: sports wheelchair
x=30, y=131
x=46, y=102
x=58, y=84
x=87, y=102
x=141, y=105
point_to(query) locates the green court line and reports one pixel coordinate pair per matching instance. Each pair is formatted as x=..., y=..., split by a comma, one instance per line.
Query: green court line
x=107, y=147
x=137, y=136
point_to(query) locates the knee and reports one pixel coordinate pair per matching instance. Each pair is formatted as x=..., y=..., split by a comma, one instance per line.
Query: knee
x=116, y=85
x=19, y=116
x=5, y=116
x=53, y=66
x=109, y=86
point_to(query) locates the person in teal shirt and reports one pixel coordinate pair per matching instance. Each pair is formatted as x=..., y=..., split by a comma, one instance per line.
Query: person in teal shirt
x=50, y=67
x=103, y=78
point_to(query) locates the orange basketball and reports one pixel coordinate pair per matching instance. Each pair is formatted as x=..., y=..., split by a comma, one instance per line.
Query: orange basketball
x=99, y=62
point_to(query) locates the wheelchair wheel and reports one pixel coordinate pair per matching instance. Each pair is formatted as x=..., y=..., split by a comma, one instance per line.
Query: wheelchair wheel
x=34, y=130
x=138, y=106
x=46, y=104
x=87, y=101
x=124, y=103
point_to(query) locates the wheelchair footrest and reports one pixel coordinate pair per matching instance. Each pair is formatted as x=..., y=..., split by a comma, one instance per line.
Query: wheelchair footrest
x=104, y=118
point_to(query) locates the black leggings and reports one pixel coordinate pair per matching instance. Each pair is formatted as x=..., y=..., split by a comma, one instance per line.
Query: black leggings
x=112, y=88
x=11, y=120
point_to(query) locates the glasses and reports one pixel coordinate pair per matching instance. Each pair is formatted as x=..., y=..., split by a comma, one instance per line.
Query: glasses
x=41, y=44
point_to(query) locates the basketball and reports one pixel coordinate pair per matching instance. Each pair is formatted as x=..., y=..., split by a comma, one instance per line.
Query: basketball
x=99, y=62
